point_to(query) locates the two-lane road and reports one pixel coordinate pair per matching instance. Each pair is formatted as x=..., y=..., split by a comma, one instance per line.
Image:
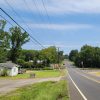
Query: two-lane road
x=88, y=87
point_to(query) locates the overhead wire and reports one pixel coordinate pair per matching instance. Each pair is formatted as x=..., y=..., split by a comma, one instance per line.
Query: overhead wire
x=7, y=20
x=18, y=15
x=40, y=13
x=28, y=7
x=21, y=27
x=43, y=3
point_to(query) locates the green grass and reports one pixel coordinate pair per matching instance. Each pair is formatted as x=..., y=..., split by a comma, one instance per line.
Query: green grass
x=39, y=74
x=95, y=73
x=40, y=91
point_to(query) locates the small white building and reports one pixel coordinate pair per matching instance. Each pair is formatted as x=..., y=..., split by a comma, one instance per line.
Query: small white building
x=12, y=69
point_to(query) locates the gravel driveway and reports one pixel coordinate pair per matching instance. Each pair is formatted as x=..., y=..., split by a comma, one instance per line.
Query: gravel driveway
x=9, y=85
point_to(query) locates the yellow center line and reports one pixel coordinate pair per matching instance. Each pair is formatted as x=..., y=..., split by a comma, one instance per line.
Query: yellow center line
x=88, y=77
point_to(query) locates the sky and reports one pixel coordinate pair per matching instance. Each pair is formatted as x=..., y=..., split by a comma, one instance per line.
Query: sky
x=67, y=24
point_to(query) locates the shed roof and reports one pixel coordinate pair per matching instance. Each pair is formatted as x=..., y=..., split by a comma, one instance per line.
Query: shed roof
x=8, y=65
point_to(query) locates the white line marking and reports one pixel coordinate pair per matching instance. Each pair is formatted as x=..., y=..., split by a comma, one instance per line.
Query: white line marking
x=87, y=77
x=77, y=88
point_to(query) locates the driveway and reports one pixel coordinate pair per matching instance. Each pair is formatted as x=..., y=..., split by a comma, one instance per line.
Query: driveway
x=9, y=85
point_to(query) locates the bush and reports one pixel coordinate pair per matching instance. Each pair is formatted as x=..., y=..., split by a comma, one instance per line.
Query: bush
x=28, y=65
x=21, y=62
x=4, y=72
x=39, y=65
x=47, y=68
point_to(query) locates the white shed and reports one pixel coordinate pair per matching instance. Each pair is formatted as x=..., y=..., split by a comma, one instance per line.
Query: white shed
x=12, y=69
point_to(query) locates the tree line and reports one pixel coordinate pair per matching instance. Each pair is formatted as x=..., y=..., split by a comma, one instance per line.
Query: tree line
x=87, y=57
x=11, y=43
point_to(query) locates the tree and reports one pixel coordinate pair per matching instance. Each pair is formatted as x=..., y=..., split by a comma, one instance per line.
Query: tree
x=61, y=56
x=4, y=41
x=65, y=56
x=49, y=54
x=87, y=57
x=73, y=54
x=18, y=38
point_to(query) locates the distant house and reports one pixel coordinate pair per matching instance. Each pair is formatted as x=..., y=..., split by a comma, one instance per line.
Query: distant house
x=12, y=69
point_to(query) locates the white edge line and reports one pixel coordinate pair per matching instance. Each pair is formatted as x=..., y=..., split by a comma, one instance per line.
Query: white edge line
x=77, y=88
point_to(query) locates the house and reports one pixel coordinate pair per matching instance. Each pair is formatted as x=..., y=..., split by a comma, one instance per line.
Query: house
x=12, y=69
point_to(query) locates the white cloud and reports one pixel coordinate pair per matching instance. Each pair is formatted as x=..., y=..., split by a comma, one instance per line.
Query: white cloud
x=79, y=6
x=60, y=26
x=57, y=6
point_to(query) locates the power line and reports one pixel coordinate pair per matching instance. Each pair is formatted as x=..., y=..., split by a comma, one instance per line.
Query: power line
x=46, y=11
x=9, y=22
x=6, y=20
x=17, y=15
x=40, y=13
x=21, y=27
x=28, y=6
x=37, y=9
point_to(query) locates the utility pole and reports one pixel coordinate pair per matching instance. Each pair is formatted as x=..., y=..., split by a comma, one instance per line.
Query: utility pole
x=58, y=59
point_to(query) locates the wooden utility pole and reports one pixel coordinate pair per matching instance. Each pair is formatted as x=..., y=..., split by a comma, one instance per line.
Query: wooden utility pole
x=58, y=59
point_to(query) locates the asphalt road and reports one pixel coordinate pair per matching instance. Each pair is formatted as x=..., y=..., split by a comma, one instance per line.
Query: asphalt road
x=88, y=87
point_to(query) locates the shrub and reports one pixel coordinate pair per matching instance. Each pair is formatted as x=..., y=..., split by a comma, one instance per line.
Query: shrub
x=28, y=65
x=21, y=62
x=47, y=68
x=4, y=72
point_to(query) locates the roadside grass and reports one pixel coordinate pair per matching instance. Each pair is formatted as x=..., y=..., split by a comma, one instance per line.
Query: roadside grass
x=95, y=73
x=38, y=74
x=40, y=91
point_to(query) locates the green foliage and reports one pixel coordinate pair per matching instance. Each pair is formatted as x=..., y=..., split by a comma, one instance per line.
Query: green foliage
x=3, y=55
x=88, y=57
x=40, y=91
x=73, y=54
x=47, y=68
x=38, y=74
x=18, y=39
x=4, y=41
x=4, y=72
x=10, y=49
x=41, y=58
x=21, y=62
x=49, y=54
x=28, y=65
x=66, y=56
x=28, y=55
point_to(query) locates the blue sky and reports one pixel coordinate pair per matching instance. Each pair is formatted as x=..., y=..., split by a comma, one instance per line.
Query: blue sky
x=71, y=23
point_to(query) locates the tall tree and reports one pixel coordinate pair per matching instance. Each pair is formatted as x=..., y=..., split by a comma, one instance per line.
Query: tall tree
x=4, y=41
x=50, y=54
x=73, y=54
x=18, y=38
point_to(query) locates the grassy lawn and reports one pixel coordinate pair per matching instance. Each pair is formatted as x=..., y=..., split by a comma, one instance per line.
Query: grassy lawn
x=40, y=91
x=39, y=74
